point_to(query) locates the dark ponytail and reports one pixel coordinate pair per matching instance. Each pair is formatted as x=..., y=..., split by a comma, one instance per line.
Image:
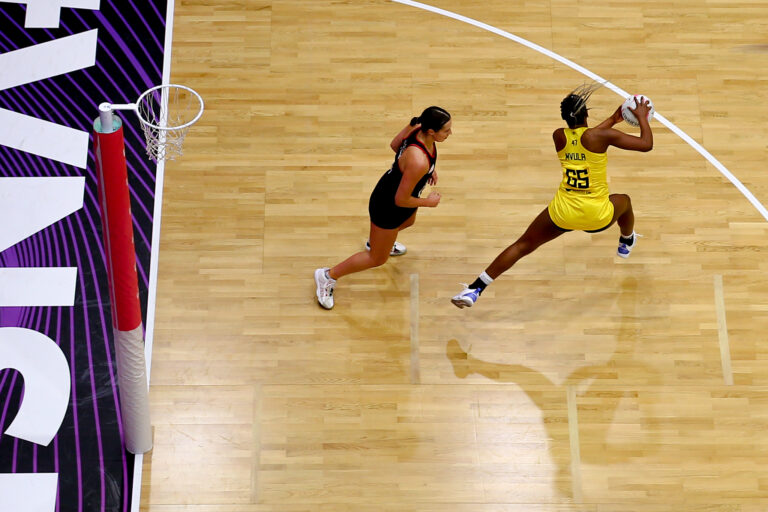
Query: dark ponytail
x=433, y=118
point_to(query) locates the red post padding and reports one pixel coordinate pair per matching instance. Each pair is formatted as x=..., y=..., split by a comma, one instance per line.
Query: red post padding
x=115, y=202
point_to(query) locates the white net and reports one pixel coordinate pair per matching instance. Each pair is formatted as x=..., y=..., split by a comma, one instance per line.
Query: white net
x=166, y=113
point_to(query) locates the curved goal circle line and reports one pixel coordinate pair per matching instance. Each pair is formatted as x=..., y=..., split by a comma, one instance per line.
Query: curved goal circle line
x=549, y=53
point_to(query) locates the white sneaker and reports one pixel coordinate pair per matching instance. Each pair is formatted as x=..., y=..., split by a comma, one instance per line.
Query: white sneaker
x=397, y=250
x=324, y=288
x=625, y=249
x=467, y=297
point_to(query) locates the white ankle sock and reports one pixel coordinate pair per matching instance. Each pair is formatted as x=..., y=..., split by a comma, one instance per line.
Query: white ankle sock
x=632, y=236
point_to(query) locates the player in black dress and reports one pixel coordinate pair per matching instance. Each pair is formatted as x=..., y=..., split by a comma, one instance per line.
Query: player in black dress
x=395, y=199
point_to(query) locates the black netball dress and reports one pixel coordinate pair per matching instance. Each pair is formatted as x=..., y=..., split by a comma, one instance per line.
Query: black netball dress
x=381, y=207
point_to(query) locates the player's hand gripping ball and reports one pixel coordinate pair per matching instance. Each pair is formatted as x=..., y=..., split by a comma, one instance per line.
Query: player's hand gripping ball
x=631, y=102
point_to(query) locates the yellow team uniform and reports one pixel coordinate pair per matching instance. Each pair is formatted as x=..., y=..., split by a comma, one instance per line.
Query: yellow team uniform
x=581, y=202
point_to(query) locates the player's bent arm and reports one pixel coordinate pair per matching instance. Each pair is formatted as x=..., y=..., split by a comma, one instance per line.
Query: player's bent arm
x=414, y=164
x=402, y=135
x=622, y=140
x=615, y=119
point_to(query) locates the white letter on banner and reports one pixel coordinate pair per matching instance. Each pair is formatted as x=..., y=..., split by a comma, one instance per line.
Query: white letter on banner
x=37, y=286
x=28, y=492
x=28, y=205
x=34, y=63
x=44, y=60
x=46, y=383
x=46, y=13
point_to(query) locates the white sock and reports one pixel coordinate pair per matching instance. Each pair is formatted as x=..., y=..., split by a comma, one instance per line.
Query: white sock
x=632, y=236
x=485, y=278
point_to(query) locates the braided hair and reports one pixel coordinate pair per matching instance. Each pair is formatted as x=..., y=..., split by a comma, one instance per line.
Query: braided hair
x=573, y=108
x=433, y=118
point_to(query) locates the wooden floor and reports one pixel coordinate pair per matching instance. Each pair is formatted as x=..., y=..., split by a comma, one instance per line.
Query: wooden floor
x=579, y=382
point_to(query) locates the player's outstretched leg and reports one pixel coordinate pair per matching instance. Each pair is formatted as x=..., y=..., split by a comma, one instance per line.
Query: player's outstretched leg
x=382, y=241
x=540, y=231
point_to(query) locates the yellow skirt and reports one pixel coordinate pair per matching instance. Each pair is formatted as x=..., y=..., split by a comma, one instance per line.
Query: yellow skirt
x=575, y=210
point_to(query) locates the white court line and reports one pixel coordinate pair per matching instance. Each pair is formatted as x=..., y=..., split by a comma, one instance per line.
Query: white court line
x=695, y=145
x=149, y=333
x=722, y=331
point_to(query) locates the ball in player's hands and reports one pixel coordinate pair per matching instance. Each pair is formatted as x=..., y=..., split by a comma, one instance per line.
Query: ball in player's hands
x=631, y=102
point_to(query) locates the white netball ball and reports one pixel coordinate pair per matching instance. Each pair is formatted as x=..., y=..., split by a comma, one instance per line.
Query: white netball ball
x=629, y=103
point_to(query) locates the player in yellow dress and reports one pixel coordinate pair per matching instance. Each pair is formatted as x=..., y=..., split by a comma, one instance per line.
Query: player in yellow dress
x=582, y=201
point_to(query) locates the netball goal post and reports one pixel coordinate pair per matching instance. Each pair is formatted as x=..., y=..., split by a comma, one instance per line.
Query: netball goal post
x=165, y=112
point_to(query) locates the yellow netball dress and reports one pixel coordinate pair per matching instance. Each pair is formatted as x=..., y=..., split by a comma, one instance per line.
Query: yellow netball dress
x=581, y=202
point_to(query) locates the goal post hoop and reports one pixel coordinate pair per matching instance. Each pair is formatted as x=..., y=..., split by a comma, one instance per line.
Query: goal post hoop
x=165, y=112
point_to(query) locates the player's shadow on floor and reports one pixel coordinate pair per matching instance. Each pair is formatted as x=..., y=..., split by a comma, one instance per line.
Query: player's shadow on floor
x=585, y=380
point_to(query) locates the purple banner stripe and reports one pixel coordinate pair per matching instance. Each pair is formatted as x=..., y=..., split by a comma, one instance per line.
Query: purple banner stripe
x=136, y=38
x=160, y=45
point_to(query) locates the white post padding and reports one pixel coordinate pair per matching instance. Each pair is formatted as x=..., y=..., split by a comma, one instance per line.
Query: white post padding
x=134, y=391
